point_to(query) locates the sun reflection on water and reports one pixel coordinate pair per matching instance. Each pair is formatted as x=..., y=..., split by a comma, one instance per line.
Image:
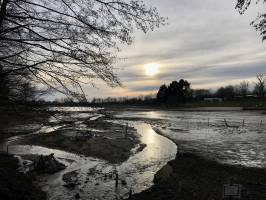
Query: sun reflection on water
x=153, y=114
x=150, y=136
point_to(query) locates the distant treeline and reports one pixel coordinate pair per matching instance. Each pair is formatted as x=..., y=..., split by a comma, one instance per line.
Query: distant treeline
x=180, y=92
x=177, y=92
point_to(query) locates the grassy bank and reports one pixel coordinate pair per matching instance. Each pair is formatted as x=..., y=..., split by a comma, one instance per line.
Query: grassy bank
x=227, y=105
x=15, y=185
x=193, y=177
x=245, y=103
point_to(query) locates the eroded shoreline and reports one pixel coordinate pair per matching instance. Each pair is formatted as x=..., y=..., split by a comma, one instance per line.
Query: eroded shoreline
x=110, y=144
x=191, y=176
x=186, y=176
x=135, y=163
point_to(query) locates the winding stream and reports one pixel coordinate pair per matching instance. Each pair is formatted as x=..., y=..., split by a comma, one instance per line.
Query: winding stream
x=94, y=176
x=198, y=132
x=205, y=133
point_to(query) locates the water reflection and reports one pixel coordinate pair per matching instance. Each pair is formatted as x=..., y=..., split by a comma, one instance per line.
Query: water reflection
x=138, y=171
x=149, y=136
x=140, y=168
x=73, y=109
x=206, y=133
x=153, y=114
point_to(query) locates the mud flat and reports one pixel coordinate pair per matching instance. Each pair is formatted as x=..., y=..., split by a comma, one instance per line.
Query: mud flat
x=20, y=121
x=187, y=176
x=88, y=134
x=101, y=139
x=212, y=154
x=94, y=149
x=15, y=185
x=191, y=176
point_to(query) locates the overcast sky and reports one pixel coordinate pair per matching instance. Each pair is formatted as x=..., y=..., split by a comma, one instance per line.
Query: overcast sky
x=206, y=42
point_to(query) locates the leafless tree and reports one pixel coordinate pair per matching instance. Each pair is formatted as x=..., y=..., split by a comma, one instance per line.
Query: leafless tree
x=260, y=85
x=243, y=88
x=65, y=43
x=260, y=22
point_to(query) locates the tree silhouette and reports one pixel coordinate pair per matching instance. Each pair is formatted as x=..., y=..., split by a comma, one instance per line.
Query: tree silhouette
x=184, y=89
x=260, y=85
x=260, y=22
x=226, y=92
x=162, y=94
x=176, y=92
x=68, y=42
x=243, y=88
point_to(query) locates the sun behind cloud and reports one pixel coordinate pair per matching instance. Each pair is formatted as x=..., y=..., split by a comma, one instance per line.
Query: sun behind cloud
x=152, y=69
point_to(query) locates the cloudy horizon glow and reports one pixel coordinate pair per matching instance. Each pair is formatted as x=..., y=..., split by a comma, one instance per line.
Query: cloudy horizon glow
x=206, y=42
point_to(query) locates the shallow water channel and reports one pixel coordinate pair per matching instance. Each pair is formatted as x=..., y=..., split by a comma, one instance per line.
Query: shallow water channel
x=95, y=177
x=206, y=133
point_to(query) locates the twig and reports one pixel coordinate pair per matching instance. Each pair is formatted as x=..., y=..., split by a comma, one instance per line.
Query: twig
x=226, y=123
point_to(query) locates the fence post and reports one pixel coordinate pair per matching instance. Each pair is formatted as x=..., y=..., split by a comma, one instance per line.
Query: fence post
x=126, y=129
x=116, y=180
x=225, y=122
x=130, y=193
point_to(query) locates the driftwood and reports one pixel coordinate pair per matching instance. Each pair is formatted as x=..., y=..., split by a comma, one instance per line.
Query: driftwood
x=47, y=164
x=230, y=126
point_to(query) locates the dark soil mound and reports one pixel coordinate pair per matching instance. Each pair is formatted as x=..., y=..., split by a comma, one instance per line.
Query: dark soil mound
x=15, y=185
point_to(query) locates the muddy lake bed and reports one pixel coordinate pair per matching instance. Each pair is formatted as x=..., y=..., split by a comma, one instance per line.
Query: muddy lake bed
x=97, y=144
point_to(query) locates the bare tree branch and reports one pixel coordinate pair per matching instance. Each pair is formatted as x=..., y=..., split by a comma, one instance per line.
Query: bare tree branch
x=64, y=43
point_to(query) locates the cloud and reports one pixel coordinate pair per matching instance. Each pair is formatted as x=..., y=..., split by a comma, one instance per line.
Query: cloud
x=207, y=42
x=146, y=88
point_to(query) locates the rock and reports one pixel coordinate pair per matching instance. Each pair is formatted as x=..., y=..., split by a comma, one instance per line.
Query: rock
x=71, y=179
x=163, y=174
x=141, y=147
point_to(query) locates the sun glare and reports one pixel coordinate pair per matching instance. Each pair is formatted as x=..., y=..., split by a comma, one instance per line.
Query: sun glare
x=152, y=69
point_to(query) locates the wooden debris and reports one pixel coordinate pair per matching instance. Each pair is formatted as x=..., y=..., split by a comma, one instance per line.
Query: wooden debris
x=47, y=164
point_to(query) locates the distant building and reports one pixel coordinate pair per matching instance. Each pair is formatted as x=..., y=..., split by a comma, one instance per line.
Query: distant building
x=213, y=99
